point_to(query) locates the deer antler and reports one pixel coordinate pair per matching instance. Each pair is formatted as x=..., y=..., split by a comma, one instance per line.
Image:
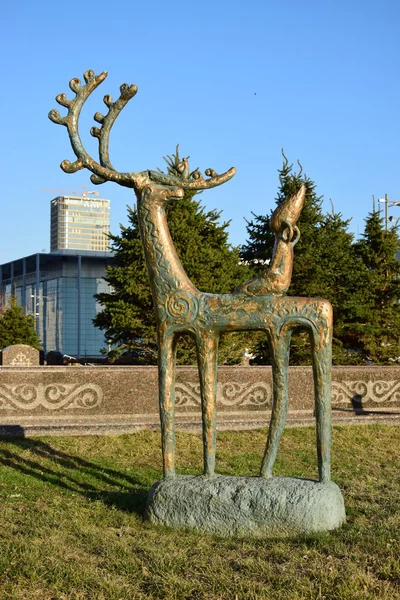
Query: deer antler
x=114, y=108
x=196, y=181
x=104, y=171
x=178, y=174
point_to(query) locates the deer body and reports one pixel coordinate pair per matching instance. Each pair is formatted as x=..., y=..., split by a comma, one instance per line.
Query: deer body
x=181, y=308
x=259, y=304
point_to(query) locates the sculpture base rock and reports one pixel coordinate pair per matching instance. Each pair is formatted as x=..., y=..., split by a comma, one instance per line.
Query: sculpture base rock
x=246, y=506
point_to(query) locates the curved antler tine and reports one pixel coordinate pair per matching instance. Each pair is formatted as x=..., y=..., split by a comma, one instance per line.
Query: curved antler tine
x=97, y=180
x=62, y=99
x=69, y=167
x=55, y=116
x=108, y=100
x=75, y=85
x=107, y=121
x=99, y=117
x=88, y=75
x=197, y=183
x=196, y=174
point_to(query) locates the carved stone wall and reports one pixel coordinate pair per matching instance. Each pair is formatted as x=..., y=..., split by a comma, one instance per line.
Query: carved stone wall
x=72, y=400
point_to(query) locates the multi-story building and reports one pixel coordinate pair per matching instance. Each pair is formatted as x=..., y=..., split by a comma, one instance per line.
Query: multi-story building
x=58, y=290
x=79, y=223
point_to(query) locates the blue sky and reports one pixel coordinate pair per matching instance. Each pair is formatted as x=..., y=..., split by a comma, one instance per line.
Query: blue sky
x=232, y=82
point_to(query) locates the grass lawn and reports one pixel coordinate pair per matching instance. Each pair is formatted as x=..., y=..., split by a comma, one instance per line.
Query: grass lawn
x=71, y=521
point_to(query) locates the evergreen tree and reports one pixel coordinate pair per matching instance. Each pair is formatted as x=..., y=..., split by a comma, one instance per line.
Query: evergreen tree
x=17, y=328
x=379, y=331
x=325, y=265
x=201, y=241
x=339, y=275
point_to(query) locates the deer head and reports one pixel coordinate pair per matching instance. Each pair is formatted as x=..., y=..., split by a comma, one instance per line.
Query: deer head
x=103, y=170
x=284, y=218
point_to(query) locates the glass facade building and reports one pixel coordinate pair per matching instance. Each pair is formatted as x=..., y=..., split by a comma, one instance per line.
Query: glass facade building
x=79, y=223
x=58, y=289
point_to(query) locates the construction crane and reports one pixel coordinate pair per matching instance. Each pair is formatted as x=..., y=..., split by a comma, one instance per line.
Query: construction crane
x=81, y=194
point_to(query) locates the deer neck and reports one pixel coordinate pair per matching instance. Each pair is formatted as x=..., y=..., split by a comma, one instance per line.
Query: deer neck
x=165, y=270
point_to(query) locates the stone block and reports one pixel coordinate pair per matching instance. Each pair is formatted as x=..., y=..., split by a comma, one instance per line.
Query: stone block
x=246, y=506
x=20, y=355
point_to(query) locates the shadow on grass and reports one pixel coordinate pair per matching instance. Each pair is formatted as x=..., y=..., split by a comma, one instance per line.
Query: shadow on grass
x=77, y=475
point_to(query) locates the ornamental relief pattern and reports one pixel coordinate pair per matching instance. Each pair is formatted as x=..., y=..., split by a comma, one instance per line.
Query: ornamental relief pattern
x=181, y=306
x=378, y=392
x=231, y=393
x=236, y=394
x=21, y=360
x=53, y=396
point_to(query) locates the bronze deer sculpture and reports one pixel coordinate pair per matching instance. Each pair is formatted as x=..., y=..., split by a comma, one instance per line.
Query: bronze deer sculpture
x=259, y=304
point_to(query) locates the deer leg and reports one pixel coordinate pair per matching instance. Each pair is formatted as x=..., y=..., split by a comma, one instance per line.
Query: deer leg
x=321, y=349
x=166, y=383
x=280, y=349
x=207, y=357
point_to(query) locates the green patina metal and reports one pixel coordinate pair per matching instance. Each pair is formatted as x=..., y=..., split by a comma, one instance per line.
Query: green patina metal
x=258, y=304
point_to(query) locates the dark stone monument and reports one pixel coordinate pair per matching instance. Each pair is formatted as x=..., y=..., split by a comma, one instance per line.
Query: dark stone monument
x=54, y=358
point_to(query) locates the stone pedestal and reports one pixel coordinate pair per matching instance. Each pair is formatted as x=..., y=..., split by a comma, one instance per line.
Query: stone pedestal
x=246, y=506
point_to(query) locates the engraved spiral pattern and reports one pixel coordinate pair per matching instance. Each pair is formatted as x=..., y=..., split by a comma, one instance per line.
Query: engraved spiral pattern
x=243, y=394
x=230, y=393
x=182, y=306
x=376, y=392
x=54, y=396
